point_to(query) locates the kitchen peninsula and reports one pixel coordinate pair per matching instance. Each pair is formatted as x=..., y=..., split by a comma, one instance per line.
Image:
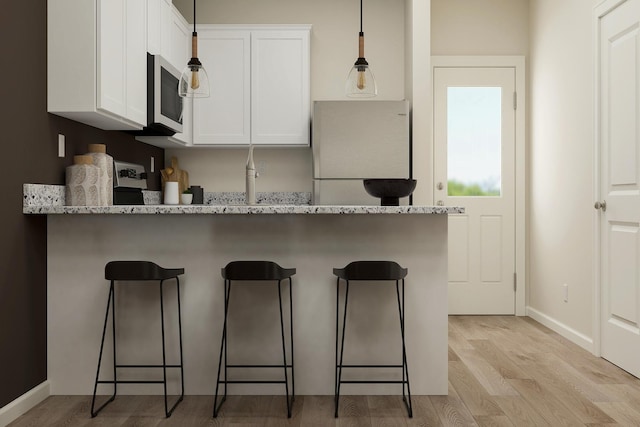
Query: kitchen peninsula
x=202, y=240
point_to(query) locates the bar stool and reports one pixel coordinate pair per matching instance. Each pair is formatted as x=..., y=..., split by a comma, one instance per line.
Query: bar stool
x=370, y=270
x=138, y=271
x=253, y=271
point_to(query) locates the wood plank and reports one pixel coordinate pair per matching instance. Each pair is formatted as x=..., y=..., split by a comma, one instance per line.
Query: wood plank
x=520, y=412
x=478, y=401
x=499, y=360
x=545, y=403
x=490, y=378
x=493, y=421
x=424, y=414
x=451, y=410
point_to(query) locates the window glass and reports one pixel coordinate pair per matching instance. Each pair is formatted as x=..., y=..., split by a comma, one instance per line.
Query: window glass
x=474, y=141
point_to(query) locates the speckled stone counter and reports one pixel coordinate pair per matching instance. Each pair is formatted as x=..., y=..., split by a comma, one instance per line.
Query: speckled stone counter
x=49, y=200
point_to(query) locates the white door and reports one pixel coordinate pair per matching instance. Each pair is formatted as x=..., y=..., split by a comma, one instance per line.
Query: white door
x=619, y=139
x=474, y=167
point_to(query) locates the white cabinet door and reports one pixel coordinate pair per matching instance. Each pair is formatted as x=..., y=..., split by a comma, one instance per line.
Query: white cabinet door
x=280, y=107
x=111, y=92
x=224, y=117
x=136, y=61
x=121, y=51
x=176, y=37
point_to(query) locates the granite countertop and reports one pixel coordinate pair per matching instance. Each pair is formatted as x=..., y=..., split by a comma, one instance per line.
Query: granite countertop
x=49, y=200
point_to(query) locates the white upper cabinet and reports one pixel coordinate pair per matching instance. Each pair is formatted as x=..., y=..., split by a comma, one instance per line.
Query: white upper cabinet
x=280, y=100
x=259, y=79
x=224, y=117
x=96, y=58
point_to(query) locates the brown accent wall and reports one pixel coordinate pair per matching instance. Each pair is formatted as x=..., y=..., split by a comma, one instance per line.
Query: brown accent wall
x=28, y=154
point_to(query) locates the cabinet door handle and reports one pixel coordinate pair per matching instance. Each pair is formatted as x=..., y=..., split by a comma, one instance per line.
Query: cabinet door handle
x=440, y=203
x=601, y=205
x=439, y=186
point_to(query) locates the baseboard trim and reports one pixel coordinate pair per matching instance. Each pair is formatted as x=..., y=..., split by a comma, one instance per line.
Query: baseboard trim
x=11, y=411
x=564, y=330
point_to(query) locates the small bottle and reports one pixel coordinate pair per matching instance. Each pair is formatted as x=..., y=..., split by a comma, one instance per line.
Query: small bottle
x=250, y=194
x=82, y=183
x=101, y=159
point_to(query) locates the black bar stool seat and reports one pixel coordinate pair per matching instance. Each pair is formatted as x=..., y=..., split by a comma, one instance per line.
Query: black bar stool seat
x=370, y=271
x=138, y=271
x=254, y=271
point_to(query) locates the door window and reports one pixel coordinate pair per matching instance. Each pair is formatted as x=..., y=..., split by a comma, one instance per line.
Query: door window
x=474, y=135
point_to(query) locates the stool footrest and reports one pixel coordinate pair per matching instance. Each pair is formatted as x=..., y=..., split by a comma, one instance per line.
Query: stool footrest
x=369, y=366
x=373, y=382
x=131, y=382
x=148, y=366
x=258, y=366
x=251, y=382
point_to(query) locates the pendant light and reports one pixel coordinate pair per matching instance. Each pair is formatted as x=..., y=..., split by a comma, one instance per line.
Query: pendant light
x=360, y=82
x=194, y=82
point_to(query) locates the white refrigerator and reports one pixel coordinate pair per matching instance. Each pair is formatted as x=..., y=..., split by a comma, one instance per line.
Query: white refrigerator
x=355, y=140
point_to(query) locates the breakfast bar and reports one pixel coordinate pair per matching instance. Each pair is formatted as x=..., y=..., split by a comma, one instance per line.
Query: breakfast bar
x=202, y=240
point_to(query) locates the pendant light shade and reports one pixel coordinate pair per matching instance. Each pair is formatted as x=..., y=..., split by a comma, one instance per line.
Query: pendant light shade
x=194, y=81
x=361, y=83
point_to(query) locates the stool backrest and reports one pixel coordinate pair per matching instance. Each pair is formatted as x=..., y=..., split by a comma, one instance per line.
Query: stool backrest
x=256, y=270
x=371, y=270
x=139, y=270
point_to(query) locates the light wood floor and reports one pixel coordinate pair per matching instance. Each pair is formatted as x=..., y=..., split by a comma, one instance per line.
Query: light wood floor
x=503, y=371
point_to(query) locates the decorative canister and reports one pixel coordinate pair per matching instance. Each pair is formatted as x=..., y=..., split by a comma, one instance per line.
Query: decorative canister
x=102, y=160
x=198, y=194
x=171, y=195
x=83, y=182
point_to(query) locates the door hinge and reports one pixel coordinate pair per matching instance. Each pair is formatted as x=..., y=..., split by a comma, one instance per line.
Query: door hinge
x=515, y=100
x=515, y=282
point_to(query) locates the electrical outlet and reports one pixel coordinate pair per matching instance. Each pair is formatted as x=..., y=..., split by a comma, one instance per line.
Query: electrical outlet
x=61, y=145
x=152, y=169
x=565, y=292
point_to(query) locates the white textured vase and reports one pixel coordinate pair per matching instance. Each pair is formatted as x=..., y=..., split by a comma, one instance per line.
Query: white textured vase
x=171, y=195
x=104, y=162
x=82, y=183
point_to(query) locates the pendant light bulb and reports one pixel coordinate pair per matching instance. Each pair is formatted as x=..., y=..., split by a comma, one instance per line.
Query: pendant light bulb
x=194, y=81
x=360, y=82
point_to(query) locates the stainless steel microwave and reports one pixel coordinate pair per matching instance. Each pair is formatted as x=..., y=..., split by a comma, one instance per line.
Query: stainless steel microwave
x=164, y=105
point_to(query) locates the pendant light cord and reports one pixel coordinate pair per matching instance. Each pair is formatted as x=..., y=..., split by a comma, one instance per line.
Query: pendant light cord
x=194, y=16
x=360, y=16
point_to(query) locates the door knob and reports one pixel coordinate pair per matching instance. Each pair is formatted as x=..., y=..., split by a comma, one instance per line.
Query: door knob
x=601, y=205
x=440, y=203
x=439, y=186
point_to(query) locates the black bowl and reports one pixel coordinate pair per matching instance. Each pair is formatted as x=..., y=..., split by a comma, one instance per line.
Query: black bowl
x=390, y=190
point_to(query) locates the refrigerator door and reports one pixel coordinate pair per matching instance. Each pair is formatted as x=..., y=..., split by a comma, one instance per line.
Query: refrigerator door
x=360, y=139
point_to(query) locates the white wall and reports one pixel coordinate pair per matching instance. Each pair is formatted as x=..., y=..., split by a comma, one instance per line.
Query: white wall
x=561, y=164
x=479, y=27
x=334, y=49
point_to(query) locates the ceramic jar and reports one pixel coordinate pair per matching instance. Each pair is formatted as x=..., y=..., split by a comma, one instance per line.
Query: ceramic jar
x=102, y=160
x=82, y=183
x=171, y=195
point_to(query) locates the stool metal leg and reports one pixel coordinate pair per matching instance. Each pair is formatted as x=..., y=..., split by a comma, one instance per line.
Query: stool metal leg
x=405, y=368
x=110, y=302
x=293, y=377
x=180, y=337
x=284, y=351
x=223, y=348
x=168, y=411
x=344, y=325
